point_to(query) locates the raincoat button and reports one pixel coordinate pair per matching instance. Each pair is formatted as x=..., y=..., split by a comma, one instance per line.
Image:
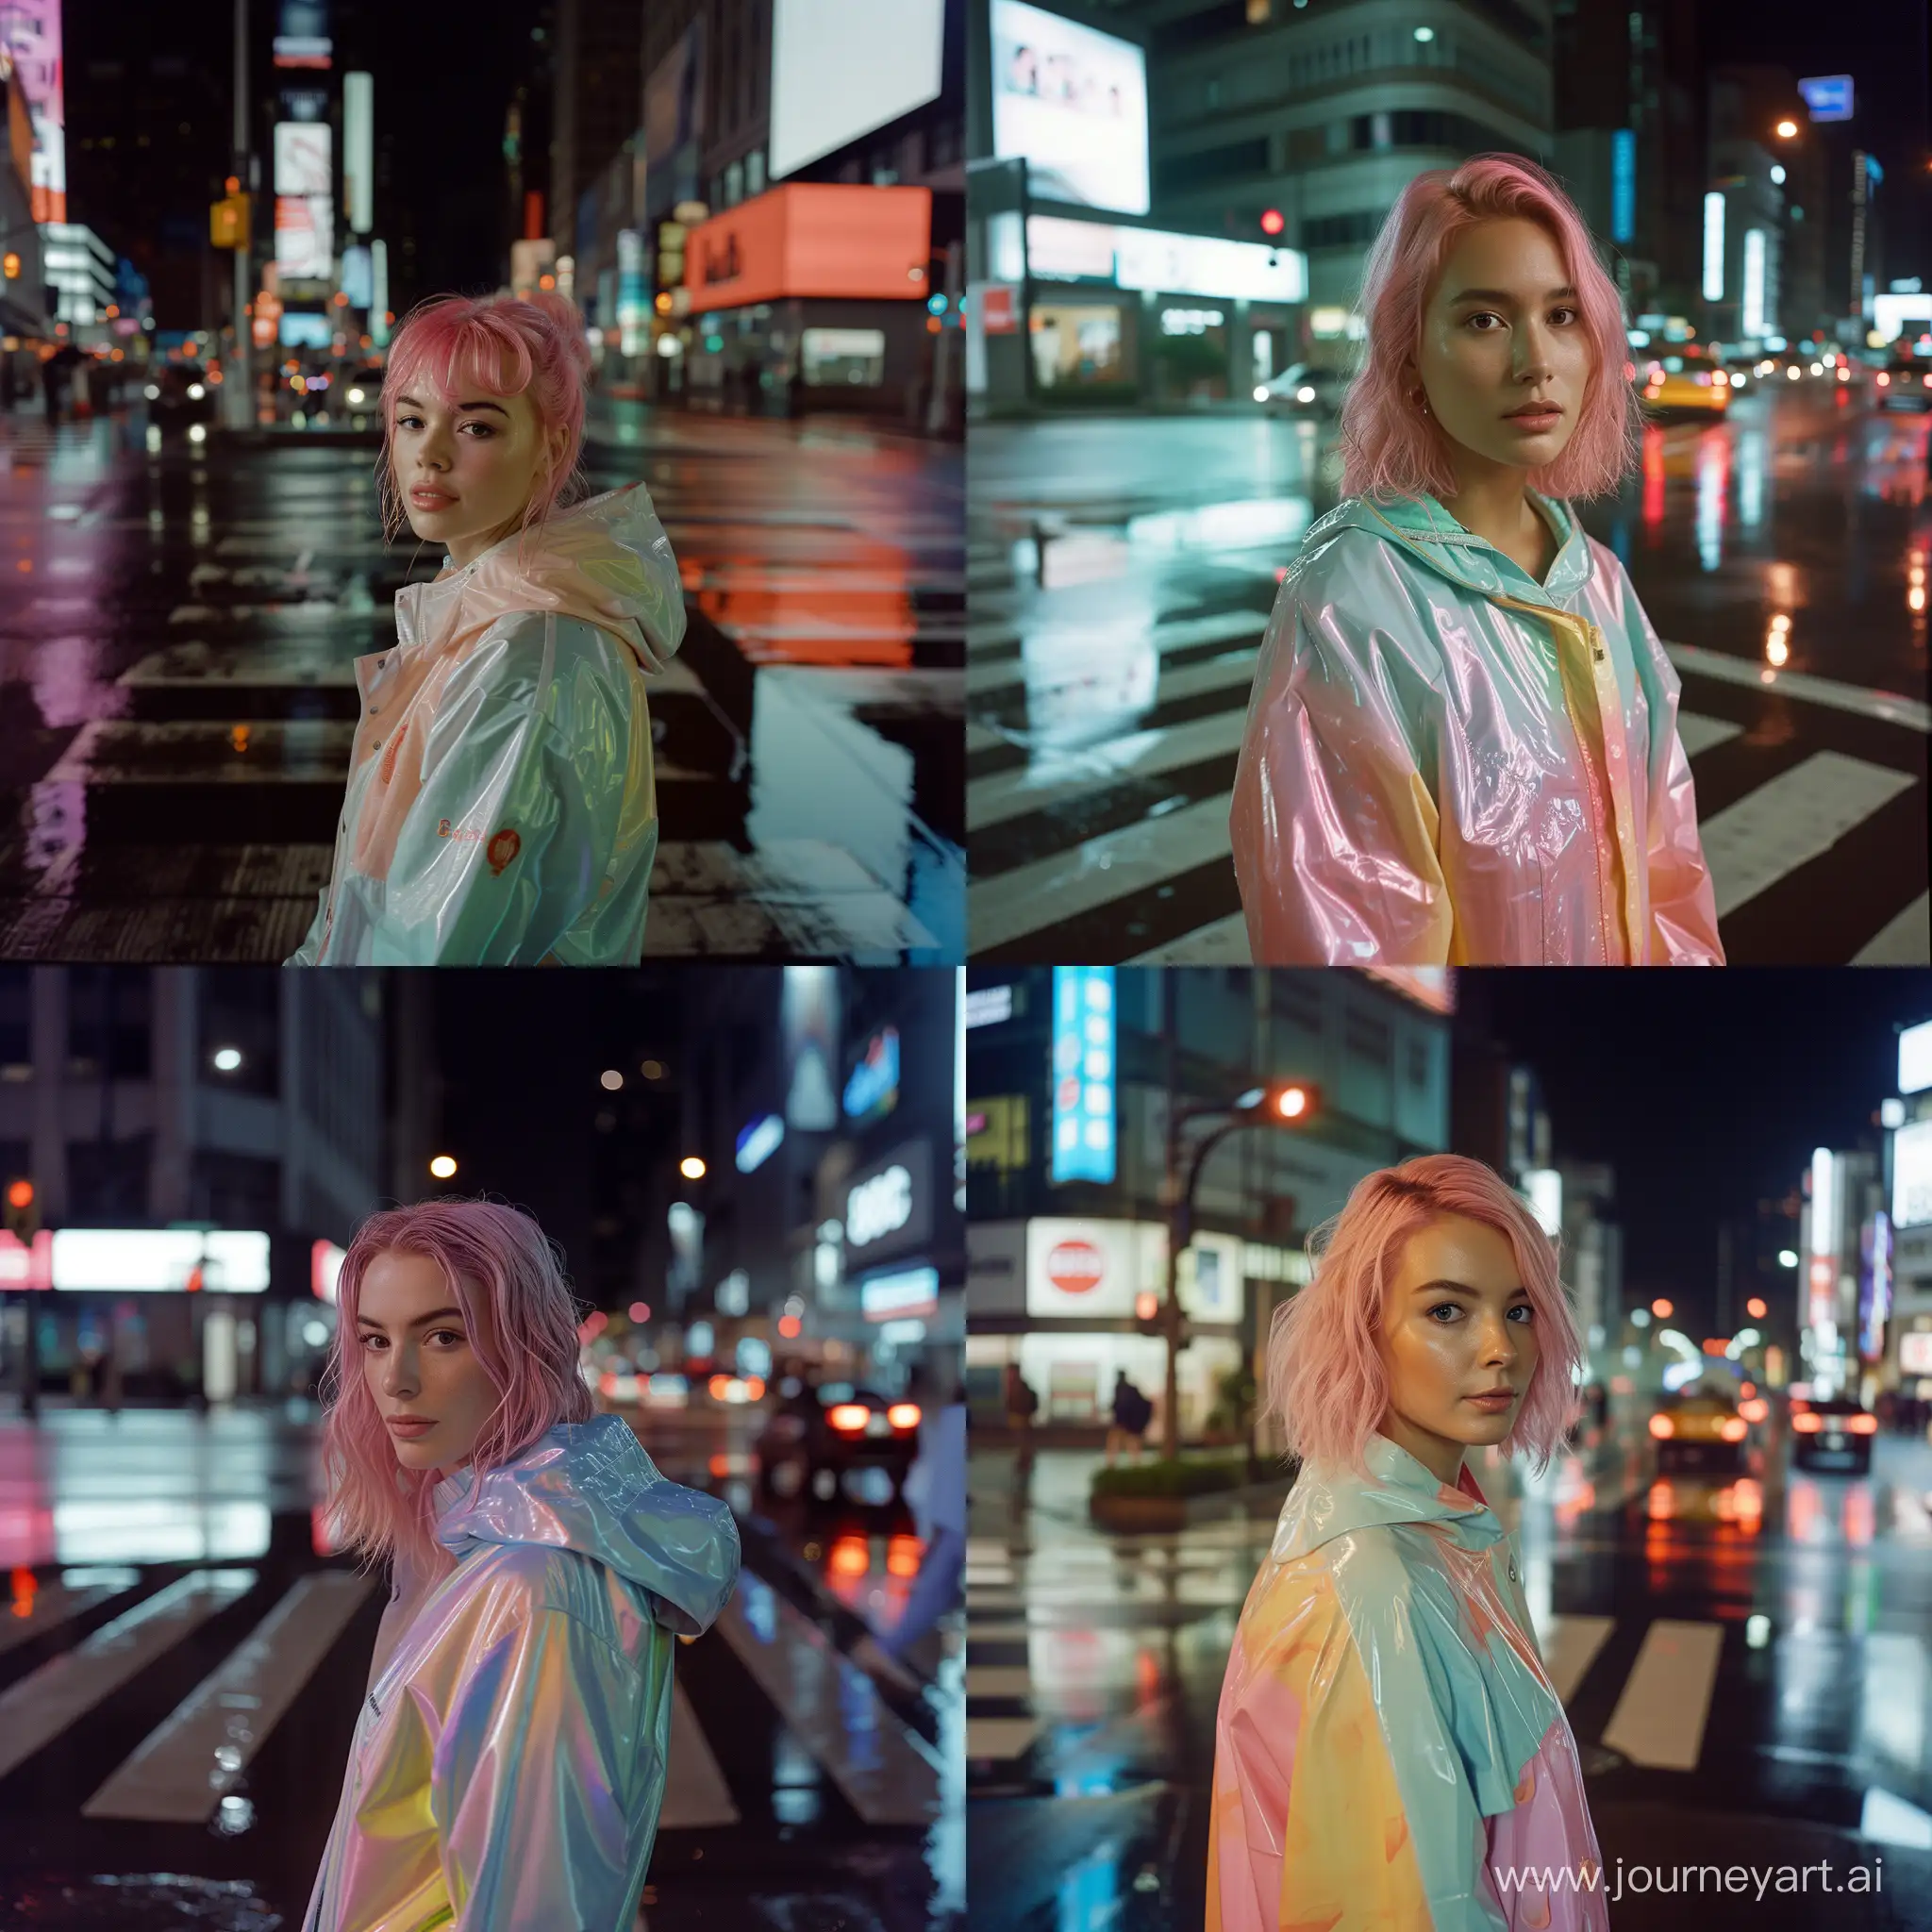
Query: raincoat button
x=1513, y=1569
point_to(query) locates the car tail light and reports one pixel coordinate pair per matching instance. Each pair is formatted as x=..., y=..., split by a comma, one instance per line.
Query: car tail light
x=1864, y=1426
x=1926, y=380
x=1884, y=380
x=1806, y=1424
x=904, y=1415
x=1662, y=1426
x=1734, y=1428
x=849, y=1417
x=1754, y=1411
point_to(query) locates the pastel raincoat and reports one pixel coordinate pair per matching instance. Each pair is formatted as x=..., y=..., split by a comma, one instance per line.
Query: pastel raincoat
x=1389, y=1754
x=1449, y=763
x=501, y=806
x=510, y=1758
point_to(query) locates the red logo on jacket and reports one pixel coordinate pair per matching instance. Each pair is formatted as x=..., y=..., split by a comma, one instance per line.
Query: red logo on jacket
x=503, y=848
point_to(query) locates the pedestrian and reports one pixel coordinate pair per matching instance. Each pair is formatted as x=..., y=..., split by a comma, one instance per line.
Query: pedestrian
x=501, y=806
x=1462, y=743
x=9, y=383
x=1390, y=1748
x=507, y=1765
x=1022, y=1405
x=1132, y=1412
x=52, y=379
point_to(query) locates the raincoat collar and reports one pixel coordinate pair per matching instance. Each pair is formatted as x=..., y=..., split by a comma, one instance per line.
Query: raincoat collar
x=605, y=561
x=1395, y=1492
x=590, y=1487
x=1428, y=532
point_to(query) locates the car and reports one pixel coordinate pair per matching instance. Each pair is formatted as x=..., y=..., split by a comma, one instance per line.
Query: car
x=362, y=388
x=179, y=395
x=1303, y=389
x=1832, y=1433
x=1684, y=380
x=1699, y=1428
x=817, y=1437
x=1904, y=383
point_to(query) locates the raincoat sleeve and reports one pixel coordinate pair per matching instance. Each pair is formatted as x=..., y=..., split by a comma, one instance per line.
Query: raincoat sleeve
x=310, y=949
x=1334, y=826
x=1309, y=1825
x=538, y=1778
x=524, y=775
x=1683, y=906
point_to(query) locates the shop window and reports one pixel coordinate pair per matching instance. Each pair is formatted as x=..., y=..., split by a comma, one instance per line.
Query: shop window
x=1236, y=160
x=754, y=171
x=733, y=183
x=835, y=357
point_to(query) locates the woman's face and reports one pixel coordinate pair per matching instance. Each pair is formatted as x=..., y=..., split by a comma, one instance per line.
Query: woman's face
x=1456, y=1324
x=1503, y=330
x=418, y=1361
x=477, y=461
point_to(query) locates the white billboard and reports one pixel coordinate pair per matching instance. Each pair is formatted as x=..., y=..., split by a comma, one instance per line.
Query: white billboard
x=1911, y=1176
x=305, y=157
x=1073, y=102
x=840, y=68
x=138, y=1260
x=1915, y=1057
x=1080, y=1270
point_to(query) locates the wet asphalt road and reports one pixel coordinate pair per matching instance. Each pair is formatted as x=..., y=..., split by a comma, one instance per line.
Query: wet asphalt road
x=1122, y=571
x=795, y=1782
x=176, y=696
x=1094, y=1664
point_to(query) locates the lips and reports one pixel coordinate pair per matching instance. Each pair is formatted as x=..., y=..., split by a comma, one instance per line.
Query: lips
x=430, y=499
x=1495, y=1397
x=1535, y=412
x=409, y=1424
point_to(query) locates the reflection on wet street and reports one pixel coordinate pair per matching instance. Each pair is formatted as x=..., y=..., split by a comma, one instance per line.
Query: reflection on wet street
x=182, y=1657
x=177, y=645
x=1745, y=1664
x=1122, y=571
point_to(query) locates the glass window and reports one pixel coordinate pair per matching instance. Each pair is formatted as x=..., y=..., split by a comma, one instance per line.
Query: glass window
x=837, y=357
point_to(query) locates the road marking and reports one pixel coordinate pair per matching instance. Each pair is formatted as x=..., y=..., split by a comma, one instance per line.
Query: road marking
x=197, y=1754
x=1223, y=943
x=1114, y=866
x=696, y=1793
x=998, y=1681
x=1136, y=755
x=885, y=1771
x=37, y=1709
x=1888, y=707
x=52, y=1605
x=999, y=1738
x=1569, y=1646
x=1698, y=733
x=1074, y=649
x=1790, y=819
x=1906, y=942
x=1659, y=1719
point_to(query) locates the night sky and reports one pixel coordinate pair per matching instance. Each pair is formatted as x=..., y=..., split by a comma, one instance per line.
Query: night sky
x=1707, y=1090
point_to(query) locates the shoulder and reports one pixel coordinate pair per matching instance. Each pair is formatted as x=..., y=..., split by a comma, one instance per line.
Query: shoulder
x=528, y=654
x=525, y=1586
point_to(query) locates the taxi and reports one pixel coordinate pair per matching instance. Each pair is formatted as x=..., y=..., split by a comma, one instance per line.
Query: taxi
x=1699, y=1428
x=1686, y=379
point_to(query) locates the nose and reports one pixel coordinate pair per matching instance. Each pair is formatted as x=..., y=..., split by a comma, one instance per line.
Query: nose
x=1499, y=1345
x=399, y=1374
x=1534, y=361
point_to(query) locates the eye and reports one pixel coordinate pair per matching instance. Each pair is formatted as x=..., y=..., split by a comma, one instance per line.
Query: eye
x=1526, y=1310
x=1572, y=313
x=1485, y=315
x=1445, y=1309
x=366, y=1340
x=454, y=1335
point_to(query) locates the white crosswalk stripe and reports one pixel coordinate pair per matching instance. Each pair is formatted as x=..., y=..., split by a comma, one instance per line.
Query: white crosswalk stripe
x=1665, y=1705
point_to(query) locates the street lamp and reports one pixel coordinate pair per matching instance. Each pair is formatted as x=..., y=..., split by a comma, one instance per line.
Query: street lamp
x=1785, y=130
x=692, y=1168
x=1280, y=1104
x=444, y=1167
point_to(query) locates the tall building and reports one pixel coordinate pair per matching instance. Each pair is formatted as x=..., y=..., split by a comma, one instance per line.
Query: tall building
x=1067, y=1164
x=176, y=1103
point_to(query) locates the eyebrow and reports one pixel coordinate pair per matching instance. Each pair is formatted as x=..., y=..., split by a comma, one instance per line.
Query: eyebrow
x=411, y=402
x=1566, y=292
x=434, y=1315
x=1462, y=1287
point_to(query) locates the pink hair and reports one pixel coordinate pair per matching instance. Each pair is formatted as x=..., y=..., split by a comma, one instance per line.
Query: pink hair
x=522, y=1321
x=1325, y=1379
x=460, y=343
x=1389, y=447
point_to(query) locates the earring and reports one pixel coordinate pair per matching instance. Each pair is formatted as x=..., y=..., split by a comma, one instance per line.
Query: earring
x=1421, y=401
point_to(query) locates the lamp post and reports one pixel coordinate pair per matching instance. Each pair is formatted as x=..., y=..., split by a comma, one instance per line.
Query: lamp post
x=1280, y=1104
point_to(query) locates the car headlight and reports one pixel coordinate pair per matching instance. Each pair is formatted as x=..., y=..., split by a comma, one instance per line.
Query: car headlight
x=195, y=391
x=152, y=392
x=1261, y=395
x=1305, y=395
x=355, y=395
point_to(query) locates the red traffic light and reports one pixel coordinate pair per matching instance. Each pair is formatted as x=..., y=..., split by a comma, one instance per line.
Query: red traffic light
x=1272, y=221
x=20, y=1193
x=1291, y=1103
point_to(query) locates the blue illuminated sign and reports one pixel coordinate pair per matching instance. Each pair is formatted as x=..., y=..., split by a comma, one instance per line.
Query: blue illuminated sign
x=1624, y=184
x=1828, y=96
x=758, y=1141
x=1084, y=1073
x=874, y=1088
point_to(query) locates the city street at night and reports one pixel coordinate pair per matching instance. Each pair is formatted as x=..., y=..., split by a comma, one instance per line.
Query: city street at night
x=184, y=694
x=1726, y=1562
x=1122, y=575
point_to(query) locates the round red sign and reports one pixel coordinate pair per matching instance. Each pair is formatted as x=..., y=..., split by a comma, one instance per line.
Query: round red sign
x=1075, y=1267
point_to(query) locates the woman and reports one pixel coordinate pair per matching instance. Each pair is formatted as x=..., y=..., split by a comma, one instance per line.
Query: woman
x=1389, y=1753
x=511, y=1756
x=501, y=806
x=1462, y=743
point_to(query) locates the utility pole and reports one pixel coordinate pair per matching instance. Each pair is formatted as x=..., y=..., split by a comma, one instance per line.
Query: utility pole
x=238, y=389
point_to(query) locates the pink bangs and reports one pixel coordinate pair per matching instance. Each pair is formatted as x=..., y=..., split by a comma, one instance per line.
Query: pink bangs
x=522, y=1321
x=1388, y=449
x=1326, y=1381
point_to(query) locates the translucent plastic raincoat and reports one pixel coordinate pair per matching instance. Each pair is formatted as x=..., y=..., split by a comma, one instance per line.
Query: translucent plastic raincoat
x=1448, y=763
x=501, y=806
x=1389, y=1754
x=510, y=1758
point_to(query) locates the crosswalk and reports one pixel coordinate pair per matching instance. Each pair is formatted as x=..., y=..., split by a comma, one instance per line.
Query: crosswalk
x=196, y=1761
x=1100, y=765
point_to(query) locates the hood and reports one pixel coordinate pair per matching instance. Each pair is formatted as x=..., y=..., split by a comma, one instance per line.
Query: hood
x=1424, y=531
x=607, y=562
x=590, y=1488
x=1397, y=1492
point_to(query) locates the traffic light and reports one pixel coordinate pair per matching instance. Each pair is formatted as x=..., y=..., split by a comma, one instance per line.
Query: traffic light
x=23, y=1211
x=9, y=266
x=1273, y=221
x=1283, y=1103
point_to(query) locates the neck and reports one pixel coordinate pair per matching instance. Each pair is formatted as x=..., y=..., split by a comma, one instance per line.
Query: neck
x=1490, y=502
x=1439, y=1454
